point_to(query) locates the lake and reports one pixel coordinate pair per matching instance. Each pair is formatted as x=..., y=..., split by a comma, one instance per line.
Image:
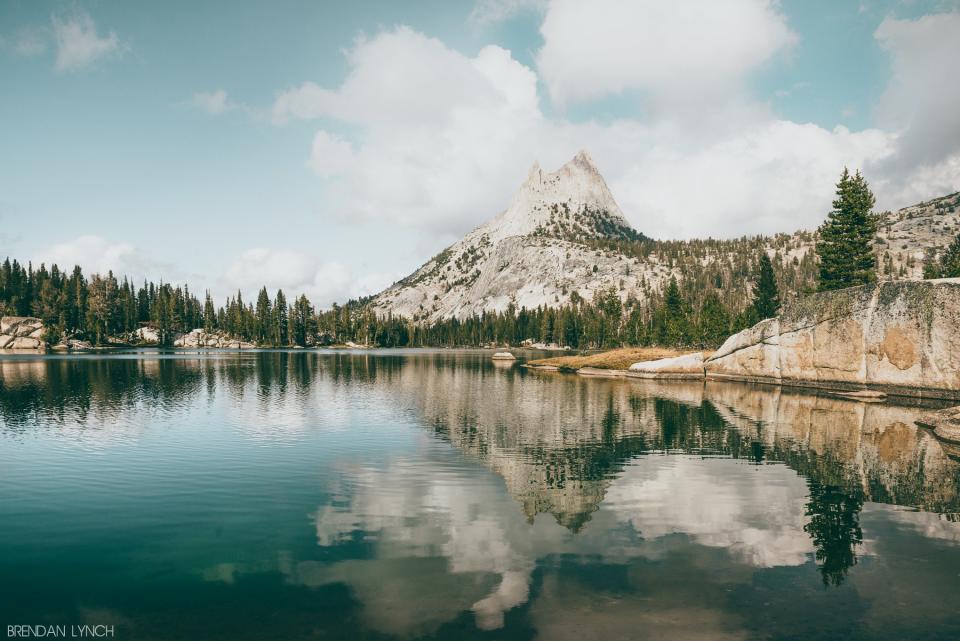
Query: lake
x=418, y=494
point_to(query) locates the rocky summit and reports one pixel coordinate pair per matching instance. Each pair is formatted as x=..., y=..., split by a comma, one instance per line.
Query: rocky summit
x=531, y=254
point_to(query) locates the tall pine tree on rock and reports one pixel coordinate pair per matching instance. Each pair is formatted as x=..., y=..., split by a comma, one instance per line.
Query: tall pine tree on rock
x=845, y=246
x=766, y=296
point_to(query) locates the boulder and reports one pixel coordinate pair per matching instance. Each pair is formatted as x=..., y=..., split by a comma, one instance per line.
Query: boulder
x=685, y=366
x=503, y=356
x=147, y=335
x=25, y=342
x=21, y=332
x=900, y=337
x=945, y=423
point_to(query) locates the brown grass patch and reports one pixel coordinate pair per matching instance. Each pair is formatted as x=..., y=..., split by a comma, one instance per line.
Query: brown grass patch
x=621, y=358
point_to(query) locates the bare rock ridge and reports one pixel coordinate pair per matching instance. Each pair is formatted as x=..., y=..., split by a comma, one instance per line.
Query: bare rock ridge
x=896, y=337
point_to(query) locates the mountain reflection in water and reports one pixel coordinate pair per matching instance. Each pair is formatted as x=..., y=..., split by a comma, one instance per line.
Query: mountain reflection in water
x=354, y=489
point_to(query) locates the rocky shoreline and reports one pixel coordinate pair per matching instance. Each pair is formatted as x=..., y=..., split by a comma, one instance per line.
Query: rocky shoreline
x=28, y=334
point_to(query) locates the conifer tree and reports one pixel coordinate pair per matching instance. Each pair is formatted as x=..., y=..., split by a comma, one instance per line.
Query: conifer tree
x=714, y=327
x=264, y=317
x=845, y=247
x=950, y=261
x=209, y=315
x=281, y=325
x=766, y=296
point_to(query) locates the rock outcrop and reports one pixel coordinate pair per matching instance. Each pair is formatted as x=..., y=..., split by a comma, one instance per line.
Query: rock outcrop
x=200, y=338
x=685, y=366
x=22, y=333
x=900, y=337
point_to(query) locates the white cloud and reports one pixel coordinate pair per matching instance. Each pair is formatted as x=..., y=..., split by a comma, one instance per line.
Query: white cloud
x=487, y=12
x=96, y=254
x=212, y=102
x=922, y=99
x=79, y=45
x=440, y=140
x=677, y=51
x=447, y=153
x=297, y=272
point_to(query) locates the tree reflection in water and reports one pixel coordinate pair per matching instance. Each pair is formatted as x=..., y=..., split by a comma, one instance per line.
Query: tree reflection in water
x=834, y=528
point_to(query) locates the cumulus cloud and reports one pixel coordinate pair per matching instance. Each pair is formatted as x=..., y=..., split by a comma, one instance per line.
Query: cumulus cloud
x=78, y=43
x=440, y=140
x=96, y=254
x=296, y=272
x=212, y=102
x=487, y=12
x=676, y=51
x=921, y=102
x=446, y=152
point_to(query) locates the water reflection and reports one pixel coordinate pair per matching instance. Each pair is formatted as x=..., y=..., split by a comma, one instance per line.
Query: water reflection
x=446, y=493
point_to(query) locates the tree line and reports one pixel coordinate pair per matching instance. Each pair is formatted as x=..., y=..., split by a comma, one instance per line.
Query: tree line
x=103, y=309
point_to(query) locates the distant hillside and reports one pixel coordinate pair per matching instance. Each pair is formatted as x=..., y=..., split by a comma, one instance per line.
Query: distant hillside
x=564, y=238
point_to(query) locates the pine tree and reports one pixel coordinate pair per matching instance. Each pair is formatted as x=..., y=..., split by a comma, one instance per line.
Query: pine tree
x=950, y=261
x=209, y=315
x=281, y=326
x=714, y=326
x=766, y=296
x=264, y=317
x=845, y=247
x=671, y=321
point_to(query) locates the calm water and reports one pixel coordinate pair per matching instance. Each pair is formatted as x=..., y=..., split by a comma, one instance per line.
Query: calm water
x=416, y=494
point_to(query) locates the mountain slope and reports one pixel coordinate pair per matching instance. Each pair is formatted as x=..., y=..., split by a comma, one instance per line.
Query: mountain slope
x=563, y=236
x=531, y=254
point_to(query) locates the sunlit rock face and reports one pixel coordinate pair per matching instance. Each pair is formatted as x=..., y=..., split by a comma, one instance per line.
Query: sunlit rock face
x=901, y=337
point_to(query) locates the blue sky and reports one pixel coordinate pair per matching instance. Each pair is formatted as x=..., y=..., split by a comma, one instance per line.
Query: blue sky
x=332, y=148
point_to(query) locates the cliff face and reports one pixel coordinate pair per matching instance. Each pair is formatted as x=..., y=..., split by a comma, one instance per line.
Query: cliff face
x=899, y=337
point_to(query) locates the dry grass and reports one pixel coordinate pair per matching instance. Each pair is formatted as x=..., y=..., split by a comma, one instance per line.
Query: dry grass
x=614, y=359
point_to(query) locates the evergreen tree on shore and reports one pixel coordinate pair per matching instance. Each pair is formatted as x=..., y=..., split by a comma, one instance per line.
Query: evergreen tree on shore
x=766, y=296
x=714, y=326
x=949, y=264
x=845, y=246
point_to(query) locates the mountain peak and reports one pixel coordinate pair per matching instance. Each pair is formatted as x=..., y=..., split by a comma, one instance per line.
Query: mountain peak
x=572, y=202
x=584, y=161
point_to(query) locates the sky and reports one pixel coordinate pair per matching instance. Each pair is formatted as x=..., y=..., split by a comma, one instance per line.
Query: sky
x=332, y=148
